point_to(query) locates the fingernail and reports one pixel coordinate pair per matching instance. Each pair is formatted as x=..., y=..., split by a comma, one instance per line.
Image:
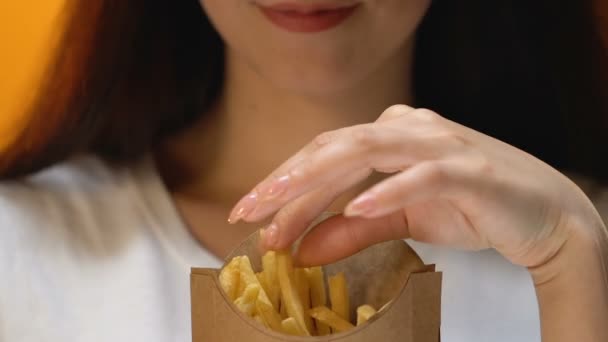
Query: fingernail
x=362, y=205
x=276, y=188
x=270, y=236
x=243, y=207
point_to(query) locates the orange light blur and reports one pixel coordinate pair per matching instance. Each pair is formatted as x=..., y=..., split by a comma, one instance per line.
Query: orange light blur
x=29, y=31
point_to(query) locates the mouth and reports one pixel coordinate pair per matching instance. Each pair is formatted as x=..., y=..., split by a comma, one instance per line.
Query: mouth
x=307, y=18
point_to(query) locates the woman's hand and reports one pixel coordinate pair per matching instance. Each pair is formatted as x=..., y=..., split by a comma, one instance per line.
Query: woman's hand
x=451, y=186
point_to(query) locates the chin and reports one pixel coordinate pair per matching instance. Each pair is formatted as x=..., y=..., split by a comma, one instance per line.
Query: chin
x=316, y=78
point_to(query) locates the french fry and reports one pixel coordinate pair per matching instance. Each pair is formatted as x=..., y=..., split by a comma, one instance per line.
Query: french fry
x=269, y=315
x=291, y=327
x=262, y=280
x=246, y=302
x=293, y=305
x=248, y=276
x=364, y=313
x=338, y=294
x=318, y=295
x=283, y=309
x=331, y=318
x=301, y=281
x=269, y=264
x=300, y=304
x=229, y=279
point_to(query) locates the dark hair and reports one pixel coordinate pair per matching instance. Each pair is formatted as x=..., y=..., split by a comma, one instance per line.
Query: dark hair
x=130, y=73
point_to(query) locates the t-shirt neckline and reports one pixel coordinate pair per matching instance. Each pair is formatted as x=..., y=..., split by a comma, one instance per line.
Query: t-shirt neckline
x=164, y=218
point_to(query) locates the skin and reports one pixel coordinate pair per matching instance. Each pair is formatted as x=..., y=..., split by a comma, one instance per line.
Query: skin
x=204, y=188
x=445, y=183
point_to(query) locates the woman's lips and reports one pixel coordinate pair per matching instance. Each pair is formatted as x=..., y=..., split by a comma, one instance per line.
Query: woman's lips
x=306, y=19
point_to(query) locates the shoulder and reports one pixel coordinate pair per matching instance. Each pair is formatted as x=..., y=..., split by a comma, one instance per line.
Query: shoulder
x=68, y=204
x=65, y=185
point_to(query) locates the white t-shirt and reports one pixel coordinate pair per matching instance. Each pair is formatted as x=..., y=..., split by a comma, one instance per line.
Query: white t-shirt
x=91, y=252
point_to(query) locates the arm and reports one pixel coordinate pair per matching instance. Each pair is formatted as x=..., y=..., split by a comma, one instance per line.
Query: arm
x=572, y=289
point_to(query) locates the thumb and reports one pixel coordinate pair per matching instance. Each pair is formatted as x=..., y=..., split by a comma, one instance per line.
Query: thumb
x=339, y=237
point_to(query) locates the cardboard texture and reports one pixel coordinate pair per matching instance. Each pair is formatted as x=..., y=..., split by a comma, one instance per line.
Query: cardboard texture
x=389, y=273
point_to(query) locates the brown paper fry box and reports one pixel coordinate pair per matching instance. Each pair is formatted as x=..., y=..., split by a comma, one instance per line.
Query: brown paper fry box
x=389, y=275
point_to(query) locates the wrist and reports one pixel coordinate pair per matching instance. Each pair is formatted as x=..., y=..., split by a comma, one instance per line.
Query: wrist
x=572, y=287
x=584, y=250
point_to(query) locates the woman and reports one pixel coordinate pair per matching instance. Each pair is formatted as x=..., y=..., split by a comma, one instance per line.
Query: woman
x=151, y=127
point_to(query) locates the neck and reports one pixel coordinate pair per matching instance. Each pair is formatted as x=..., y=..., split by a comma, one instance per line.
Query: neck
x=252, y=129
x=259, y=125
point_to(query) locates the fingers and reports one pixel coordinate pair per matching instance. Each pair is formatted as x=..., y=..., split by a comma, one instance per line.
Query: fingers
x=359, y=148
x=339, y=237
x=276, y=181
x=250, y=201
x=294, y=218
x=420, y=183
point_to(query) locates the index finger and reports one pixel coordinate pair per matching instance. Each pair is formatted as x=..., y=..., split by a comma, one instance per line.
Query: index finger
x=249, y=202
x=356, y=149
x=246, y=206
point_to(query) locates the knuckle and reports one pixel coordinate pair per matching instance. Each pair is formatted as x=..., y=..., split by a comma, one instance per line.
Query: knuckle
x=436, y=173
x=427, y=115
x=395, y=111
x=323, y=139
x=482, y=164
x=365, y=136
x=303, y=170
x=285, y=216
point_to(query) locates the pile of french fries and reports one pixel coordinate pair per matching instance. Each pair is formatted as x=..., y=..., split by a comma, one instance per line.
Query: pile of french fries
x=291, y=300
